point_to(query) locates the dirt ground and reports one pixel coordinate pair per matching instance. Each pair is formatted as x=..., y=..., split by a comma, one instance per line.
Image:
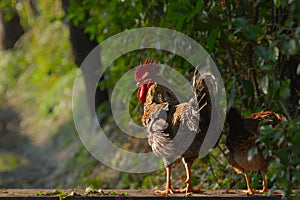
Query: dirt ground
x=126, y=193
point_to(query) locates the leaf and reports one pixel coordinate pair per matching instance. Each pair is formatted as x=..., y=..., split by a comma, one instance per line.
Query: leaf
x=177, y=11
x=280, y=141
x=292, y=47
x=298, y=69
x=297, y=32
x=73, y=194
x=199, y=6
x=266, y=68
x=240, y=22
x=289, y=23
x=124, y=194
x=258, y=30
x=62, y=196
x=180, y=23
x=251, y=153
x=277, y=3
x=249, y=33
x=285, y=92
x=266, y=154
x=264, y=84
x=296, y=138
x=260, y=51
x=275, y=87
x=100, y=191
x=283, y=156
x=248, y=88
x=275, y=54
x=90, y=190
x=212, y=39
x=40, y=193
x=56, y=192
x=277, y=135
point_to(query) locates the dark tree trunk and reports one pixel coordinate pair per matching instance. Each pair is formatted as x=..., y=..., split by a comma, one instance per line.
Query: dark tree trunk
x=82, y=46
x=10, y=30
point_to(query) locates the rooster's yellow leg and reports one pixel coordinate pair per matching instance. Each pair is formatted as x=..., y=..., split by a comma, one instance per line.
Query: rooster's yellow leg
x=187, y=167
x=168, y=189
x=189, y=187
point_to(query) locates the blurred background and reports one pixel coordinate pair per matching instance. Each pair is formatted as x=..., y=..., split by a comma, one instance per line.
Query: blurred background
x=255, y=44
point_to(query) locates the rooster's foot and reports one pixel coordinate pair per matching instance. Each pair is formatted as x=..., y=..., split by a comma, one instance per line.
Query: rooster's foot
x=264, y=190
x=188, y=189
x=165, y=192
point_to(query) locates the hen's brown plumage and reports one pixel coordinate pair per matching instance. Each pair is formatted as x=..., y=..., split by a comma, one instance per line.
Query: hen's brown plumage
x=243, y=133
x=176, y=131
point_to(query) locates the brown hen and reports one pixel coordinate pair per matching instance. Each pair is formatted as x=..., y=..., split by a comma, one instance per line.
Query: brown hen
x=176, y=130
x=243, y=133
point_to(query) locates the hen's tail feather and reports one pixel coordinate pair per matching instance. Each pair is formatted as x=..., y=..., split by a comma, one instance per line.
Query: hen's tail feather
x=268, y=117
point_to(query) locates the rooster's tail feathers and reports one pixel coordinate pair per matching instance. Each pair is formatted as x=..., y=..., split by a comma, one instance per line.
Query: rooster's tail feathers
x=198, y=110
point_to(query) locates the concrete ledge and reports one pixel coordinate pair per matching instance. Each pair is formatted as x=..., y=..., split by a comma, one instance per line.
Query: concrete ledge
x=125, y=194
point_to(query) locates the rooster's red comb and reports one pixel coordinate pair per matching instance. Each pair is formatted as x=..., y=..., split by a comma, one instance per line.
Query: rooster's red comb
x=145, y=69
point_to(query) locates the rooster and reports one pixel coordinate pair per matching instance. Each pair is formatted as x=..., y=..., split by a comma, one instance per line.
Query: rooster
x=243, y=133
x=175, y=130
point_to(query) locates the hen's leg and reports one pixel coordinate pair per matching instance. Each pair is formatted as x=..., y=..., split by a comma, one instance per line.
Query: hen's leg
x=168, y=189
x=265, y=189
x=189, y=187
x=249, y=190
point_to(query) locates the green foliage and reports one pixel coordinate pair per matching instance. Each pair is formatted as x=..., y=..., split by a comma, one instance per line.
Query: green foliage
x=7, y=7
x=244, y=39
x=282, y=145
